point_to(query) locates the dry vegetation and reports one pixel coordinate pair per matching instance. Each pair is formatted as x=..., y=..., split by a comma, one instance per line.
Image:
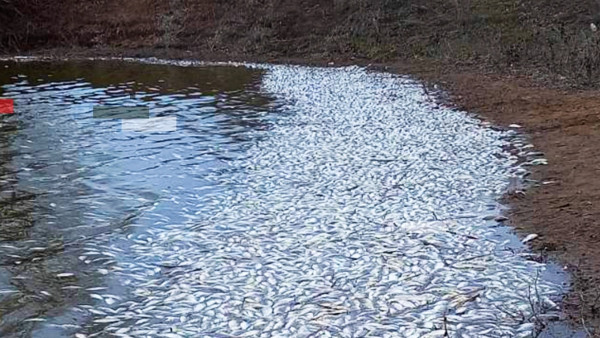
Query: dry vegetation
x=550, y=37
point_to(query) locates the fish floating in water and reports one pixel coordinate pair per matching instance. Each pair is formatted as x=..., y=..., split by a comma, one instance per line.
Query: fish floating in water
x=360, y=211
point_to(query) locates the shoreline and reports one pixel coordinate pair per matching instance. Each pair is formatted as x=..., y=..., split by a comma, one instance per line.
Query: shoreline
x=561, y=124
x=558, y=205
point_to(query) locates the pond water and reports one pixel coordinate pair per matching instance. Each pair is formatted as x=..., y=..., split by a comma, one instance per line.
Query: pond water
x=278, y=201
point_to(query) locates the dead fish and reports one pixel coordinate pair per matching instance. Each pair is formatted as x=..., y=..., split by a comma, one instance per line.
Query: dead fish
x=35, y=320
x=360, y=210
x=65, y=275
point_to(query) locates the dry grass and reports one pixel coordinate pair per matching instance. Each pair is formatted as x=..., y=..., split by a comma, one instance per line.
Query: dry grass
x=552, y=37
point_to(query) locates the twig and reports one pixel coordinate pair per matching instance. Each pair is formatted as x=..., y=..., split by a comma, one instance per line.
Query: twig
x=446, y=334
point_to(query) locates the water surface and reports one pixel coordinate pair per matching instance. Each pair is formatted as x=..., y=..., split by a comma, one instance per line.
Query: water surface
x=68, y=178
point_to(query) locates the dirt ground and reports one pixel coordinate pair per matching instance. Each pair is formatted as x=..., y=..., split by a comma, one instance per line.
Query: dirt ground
x=562, y=123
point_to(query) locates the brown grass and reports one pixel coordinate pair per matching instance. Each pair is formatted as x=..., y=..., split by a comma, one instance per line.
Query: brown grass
x=550, y=38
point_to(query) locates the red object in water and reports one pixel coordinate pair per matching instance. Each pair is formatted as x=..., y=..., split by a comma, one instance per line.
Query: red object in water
x=7, y=106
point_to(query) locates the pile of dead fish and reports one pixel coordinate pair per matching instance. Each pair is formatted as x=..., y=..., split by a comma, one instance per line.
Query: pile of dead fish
x=363, y=211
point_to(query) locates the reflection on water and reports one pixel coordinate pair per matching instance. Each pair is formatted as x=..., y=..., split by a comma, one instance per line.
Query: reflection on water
x=67, y=178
